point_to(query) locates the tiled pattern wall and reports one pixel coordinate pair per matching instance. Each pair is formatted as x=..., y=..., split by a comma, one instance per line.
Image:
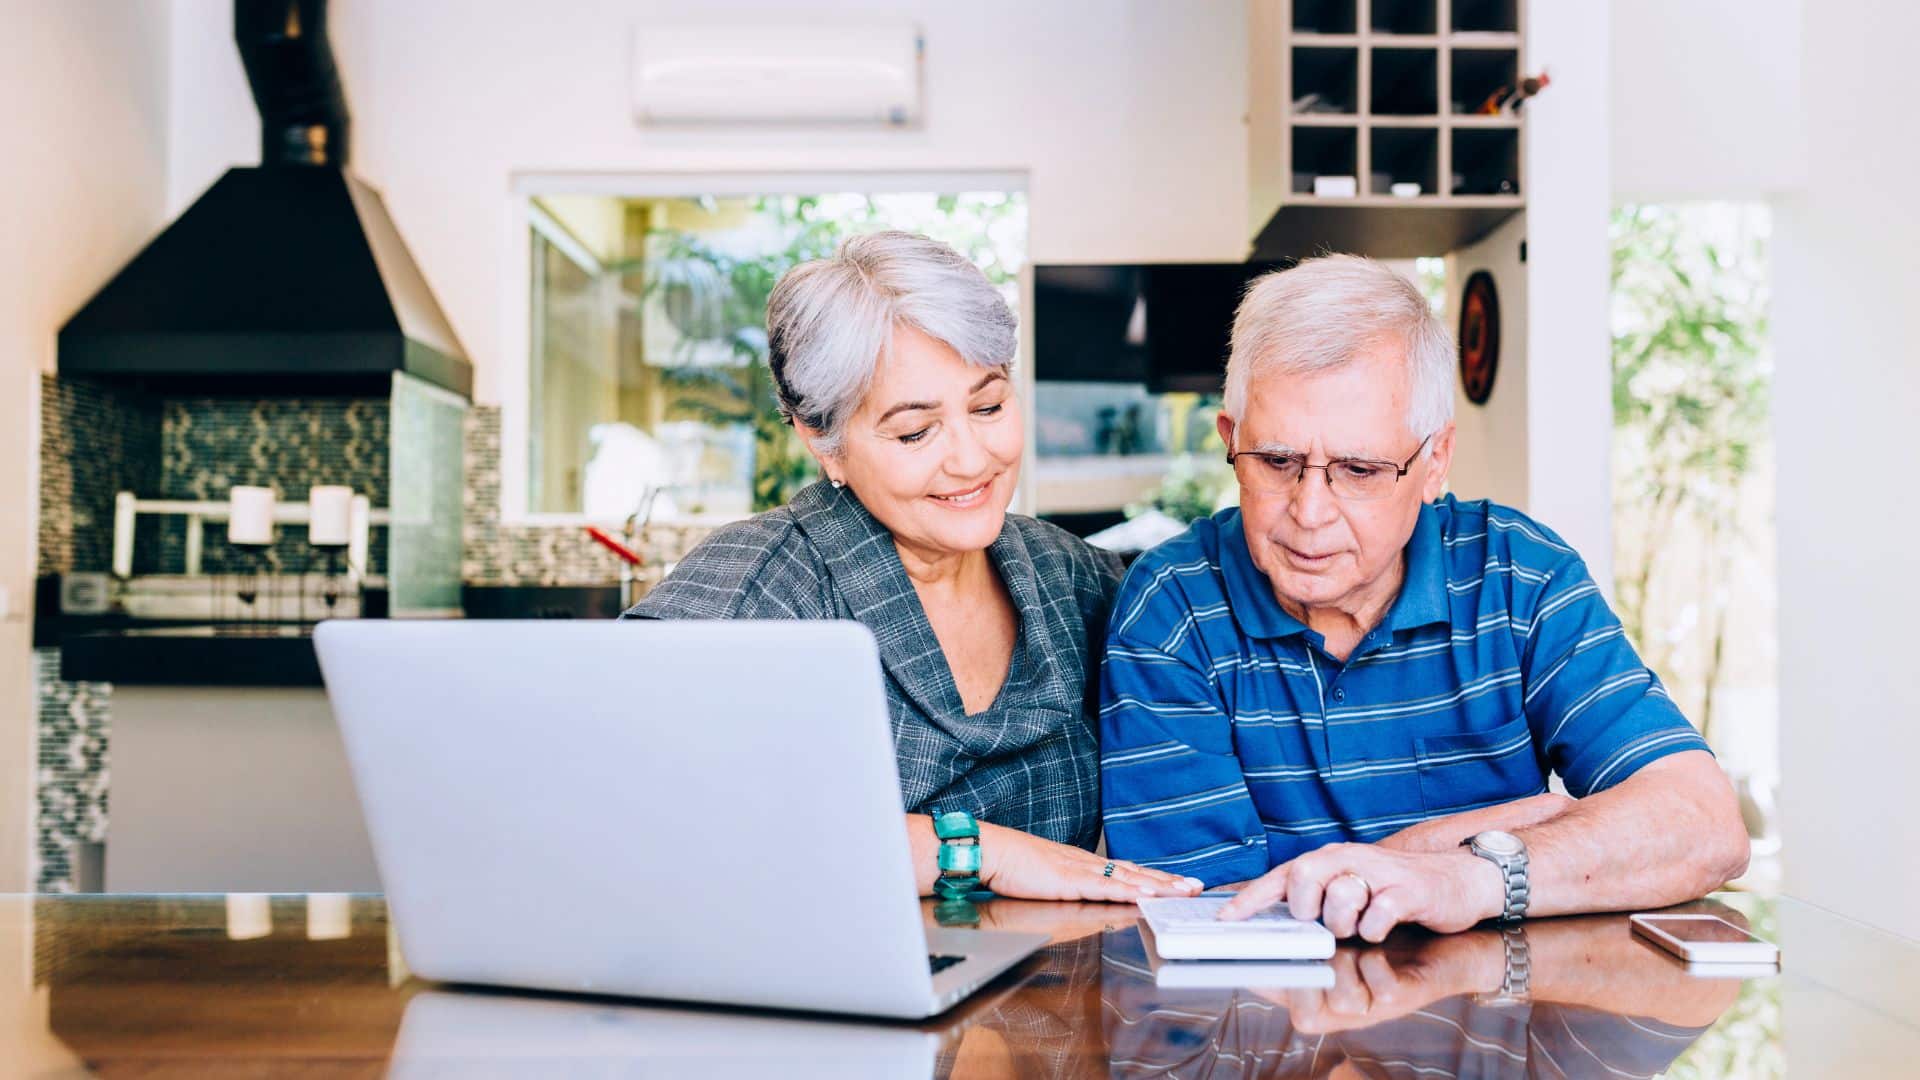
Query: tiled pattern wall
x=501, y=554
x=95, y=440
x=71, y=783
x=208, y=445
x=98, y=439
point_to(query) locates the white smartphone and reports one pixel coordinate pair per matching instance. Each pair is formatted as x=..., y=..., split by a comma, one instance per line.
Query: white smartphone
x=1705, y=939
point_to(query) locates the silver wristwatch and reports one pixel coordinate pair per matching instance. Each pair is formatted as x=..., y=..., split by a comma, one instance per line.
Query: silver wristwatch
x=1516, y=983
x=1509, y=853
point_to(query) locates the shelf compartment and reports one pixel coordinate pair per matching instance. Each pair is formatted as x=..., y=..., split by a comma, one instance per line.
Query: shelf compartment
x=1486, y=161
x=1324, y=17
x=1483, y=16
x=1323, y=151
x=1403, y=155
x=1480, y=73
x=1406, y=82
x=1404, y=17
x=1325, y=80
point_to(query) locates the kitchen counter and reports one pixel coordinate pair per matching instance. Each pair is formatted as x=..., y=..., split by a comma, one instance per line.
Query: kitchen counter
x=262, y=655
x=111, y=649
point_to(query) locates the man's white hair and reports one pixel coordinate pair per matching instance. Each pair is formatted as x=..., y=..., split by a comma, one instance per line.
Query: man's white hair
x=1327, y=312
x=830, y=322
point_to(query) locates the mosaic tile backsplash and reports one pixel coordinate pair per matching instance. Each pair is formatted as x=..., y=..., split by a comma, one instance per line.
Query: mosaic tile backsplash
x=208, y=445
x=500, y=554
x=95, y=440
x=71, y=783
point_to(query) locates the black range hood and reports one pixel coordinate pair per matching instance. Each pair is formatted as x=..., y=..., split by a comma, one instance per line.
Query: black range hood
x=286, y=276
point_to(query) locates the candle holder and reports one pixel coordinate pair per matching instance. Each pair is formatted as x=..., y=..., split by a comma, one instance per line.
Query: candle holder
x=254, y=587
x=250, y=529
x=330, y=530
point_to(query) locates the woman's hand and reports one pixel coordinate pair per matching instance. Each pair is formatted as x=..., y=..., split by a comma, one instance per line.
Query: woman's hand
x=1017, y=864
x=1060, y=921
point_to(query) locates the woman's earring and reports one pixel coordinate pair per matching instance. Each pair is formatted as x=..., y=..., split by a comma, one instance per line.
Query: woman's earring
x=838, y=484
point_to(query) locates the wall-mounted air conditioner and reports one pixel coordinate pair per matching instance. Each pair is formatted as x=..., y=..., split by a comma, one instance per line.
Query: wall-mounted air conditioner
x=777, y=72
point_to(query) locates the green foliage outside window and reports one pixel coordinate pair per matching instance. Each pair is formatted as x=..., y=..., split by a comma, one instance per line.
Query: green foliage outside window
x=1691, y=400
x=715, y=297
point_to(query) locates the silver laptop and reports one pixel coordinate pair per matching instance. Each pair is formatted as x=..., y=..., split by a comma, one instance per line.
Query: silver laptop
x=699, y=811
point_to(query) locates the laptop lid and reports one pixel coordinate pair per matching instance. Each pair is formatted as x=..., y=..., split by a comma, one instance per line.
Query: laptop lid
x=703, y=811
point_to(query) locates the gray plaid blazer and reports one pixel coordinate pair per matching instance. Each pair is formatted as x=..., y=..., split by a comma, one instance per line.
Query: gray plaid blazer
x=1031, y=760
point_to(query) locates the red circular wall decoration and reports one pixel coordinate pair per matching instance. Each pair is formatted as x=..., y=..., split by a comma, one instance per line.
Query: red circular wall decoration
x=1479, y=337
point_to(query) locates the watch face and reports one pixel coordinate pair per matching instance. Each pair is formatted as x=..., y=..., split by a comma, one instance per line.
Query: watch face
x=1500, y=843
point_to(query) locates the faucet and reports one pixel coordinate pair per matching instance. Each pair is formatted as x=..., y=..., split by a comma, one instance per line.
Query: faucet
x=630, y=532
x=626, y=548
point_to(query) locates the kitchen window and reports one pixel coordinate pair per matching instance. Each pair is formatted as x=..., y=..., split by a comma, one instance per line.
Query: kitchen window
x=647, y=347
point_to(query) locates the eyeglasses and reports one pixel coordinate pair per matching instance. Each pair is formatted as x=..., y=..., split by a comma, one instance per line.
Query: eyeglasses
x=1352, y=479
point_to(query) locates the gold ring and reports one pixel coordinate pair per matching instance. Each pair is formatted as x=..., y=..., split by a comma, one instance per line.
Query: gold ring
x=1358, y=878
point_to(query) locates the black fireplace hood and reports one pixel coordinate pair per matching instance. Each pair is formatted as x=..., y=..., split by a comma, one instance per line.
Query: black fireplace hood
x=286, y=276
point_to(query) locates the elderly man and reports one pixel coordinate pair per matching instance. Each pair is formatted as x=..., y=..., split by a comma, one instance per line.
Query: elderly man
x=1349, y=692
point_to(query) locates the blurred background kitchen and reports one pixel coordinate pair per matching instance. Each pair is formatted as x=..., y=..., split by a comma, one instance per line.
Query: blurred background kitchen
x=436, y=309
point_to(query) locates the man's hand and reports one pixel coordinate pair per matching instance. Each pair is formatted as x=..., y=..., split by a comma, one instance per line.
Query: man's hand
x=1373, y=985
x=1366, y=889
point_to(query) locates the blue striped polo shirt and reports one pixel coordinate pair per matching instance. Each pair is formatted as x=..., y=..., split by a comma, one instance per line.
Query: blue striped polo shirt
x=1231, y=741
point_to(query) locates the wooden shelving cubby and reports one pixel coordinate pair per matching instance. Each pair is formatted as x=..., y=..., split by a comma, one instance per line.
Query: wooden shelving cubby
x=1388, y=93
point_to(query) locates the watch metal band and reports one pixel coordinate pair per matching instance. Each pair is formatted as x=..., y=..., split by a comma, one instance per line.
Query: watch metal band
x=1514, y=871
x=1518, y=982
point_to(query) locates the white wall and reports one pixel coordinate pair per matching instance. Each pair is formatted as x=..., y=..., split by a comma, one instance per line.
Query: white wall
x=1126, y=117
x=1489, y=457
x=82, y=148
x=1707, y=99
x=1544, y=441
x=1568, y=354
x=1848, y=377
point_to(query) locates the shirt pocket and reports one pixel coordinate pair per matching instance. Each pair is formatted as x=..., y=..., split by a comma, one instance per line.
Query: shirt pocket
x=1475, y=768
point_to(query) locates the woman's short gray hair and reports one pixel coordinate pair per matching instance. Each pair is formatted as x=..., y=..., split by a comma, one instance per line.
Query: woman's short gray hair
x=1327, y=312
x=830, y=322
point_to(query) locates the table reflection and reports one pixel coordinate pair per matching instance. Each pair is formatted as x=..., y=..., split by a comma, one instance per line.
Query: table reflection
x=1029, y=1025
x=1560, y=997
x=312, y=986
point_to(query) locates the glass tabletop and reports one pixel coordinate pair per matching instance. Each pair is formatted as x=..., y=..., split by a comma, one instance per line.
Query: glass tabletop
x=193, y=986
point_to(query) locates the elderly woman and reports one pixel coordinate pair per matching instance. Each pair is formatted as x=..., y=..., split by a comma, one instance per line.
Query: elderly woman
x=892, y=360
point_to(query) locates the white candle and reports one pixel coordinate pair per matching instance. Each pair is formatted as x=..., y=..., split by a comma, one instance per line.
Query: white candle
x=329, y=916
x=250, y=515
x=331, y=513
x=249, y=916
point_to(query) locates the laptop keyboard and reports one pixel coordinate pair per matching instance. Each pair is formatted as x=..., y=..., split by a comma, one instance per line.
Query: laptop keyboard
x=939, y=964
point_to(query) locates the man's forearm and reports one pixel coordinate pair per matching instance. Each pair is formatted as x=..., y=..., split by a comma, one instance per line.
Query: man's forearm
x=1671, y=832
x=1445, y=833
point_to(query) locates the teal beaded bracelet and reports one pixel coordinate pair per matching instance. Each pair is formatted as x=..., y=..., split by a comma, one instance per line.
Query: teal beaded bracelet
x=959, y=856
